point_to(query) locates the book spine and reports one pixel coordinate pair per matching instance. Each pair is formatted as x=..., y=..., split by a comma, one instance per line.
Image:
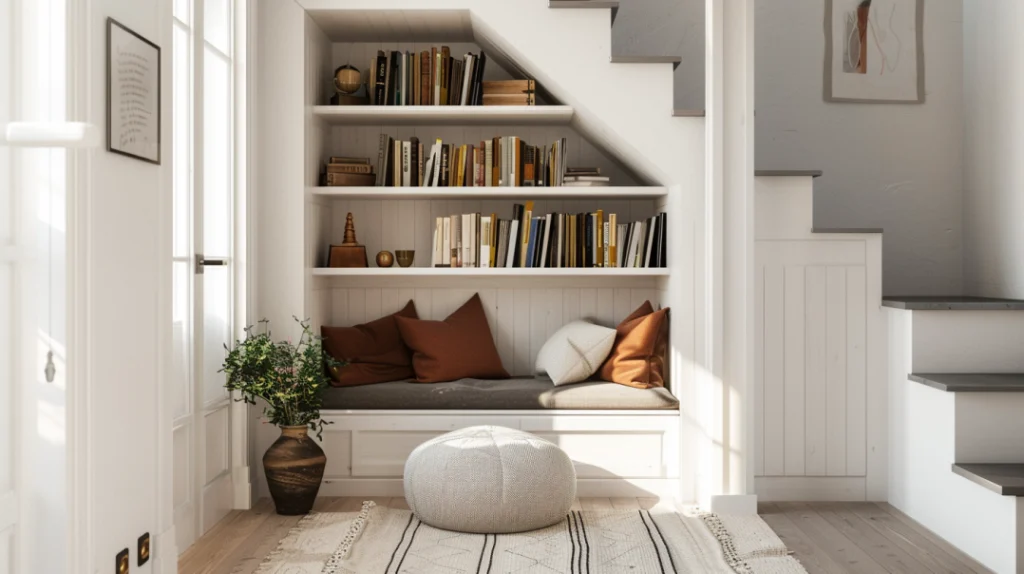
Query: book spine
x=456, y=241
x=465, y=249
x=445, y=54
x=349, y=168
x=382, y=145
x=445, y=158
x=446, y=247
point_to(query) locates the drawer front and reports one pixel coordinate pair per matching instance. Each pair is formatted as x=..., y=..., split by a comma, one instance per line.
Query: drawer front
x=614, y=454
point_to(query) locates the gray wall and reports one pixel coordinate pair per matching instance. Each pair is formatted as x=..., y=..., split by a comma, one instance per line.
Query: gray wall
x=898, y=167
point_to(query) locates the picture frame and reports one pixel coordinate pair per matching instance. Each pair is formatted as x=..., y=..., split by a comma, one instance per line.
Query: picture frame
x=133, y=94
x=874, y=51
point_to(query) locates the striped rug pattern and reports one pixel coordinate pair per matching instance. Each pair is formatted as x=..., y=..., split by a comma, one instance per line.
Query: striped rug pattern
x=391, y=541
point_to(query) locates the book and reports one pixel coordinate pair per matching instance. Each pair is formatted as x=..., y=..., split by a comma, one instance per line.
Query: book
x=380, y=79
x=525, y=233
x=446, y=240
x=612, y=237
x=663, y=251
x=466, y=244
x=406, y=164
x=467, y=79
x=456, y=253
x=531, y=240
x=584, y=184
x=445, y=168
x=511, y=244
x=417, y=161
x=509, y=100
x=544, y=244
x=599, y=242
x=445, y=55
x=438, y=76
x=437, y=253
x=350, y=179
x=478, y=91
x=485, y=241
x=503, y=87
x=349, y=168
x=341, y=159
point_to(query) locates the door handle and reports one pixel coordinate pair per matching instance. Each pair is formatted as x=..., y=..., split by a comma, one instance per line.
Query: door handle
x=202, y=262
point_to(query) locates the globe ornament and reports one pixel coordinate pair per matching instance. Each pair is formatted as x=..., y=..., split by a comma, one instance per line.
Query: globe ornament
x=347, y=79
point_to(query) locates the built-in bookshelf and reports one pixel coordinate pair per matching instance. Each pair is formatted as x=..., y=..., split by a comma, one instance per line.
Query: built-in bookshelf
x=485, y=193
x=492, y=272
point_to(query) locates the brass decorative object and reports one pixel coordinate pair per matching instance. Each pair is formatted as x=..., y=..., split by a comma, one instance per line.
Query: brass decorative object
x=385, y=259
x=405, y=257
x=350, y=253
x=347, y=79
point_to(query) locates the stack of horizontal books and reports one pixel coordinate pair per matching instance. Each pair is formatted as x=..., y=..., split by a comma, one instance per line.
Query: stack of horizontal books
x=431, y=78
x=584, y=177
x=501, y=161
x=553, y=240
x=348, y=172
x=510, y=93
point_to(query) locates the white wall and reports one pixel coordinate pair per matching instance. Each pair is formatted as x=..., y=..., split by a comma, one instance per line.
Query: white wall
x=993, y=148
x=123, y=228
x=899, y=167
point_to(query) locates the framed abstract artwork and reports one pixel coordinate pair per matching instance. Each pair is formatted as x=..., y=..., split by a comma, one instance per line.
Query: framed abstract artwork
x=874, y=51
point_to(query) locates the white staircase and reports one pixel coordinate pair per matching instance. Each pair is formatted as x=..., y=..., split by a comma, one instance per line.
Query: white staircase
x=956, y=405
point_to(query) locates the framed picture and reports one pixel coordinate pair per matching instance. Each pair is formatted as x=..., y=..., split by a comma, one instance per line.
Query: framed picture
x=874, y=51
x=133, y=94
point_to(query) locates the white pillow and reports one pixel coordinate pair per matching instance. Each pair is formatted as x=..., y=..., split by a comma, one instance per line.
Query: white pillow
x=575, y=352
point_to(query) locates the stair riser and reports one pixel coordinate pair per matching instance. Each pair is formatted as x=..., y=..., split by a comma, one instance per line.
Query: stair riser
x=968, y=341
x=989, y=427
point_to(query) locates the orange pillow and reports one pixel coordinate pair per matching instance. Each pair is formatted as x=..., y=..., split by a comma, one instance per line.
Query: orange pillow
x=374, y=351
x=638, y=356
x=460, y=346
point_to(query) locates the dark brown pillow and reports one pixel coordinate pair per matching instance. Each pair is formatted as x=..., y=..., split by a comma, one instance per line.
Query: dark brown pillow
x=374, y=351
x=638, y=356
x=460, y=346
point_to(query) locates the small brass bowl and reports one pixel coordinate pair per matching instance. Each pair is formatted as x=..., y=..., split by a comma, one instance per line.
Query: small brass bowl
x=405, y=257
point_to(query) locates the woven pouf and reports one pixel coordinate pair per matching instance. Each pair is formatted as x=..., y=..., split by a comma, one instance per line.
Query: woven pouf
x=489, y=479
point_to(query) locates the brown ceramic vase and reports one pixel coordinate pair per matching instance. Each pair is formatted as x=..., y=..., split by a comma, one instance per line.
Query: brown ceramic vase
x=294, y=465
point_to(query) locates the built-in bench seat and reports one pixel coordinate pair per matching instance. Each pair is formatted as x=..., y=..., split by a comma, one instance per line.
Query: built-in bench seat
x=509, y=394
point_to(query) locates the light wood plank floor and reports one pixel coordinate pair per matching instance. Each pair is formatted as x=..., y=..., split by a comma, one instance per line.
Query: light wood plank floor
x=833, y=538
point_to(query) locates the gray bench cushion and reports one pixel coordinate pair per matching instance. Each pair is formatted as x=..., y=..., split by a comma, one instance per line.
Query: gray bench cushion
x=509, y=394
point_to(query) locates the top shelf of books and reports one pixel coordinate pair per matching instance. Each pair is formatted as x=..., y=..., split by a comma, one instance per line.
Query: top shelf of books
x=444, y=115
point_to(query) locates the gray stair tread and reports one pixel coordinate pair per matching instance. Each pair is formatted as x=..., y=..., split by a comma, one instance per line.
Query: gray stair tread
x=688, y=113
x=951, y=303
x=846, y=230
x=972, y=382
x=788, y=172
x=674, y=60
x=1005, y=479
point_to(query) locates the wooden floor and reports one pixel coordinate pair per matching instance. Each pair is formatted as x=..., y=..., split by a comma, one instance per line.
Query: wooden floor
x=859, y=537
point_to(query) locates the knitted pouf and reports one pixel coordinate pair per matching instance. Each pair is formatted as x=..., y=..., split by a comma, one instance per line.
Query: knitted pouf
x=489, y=479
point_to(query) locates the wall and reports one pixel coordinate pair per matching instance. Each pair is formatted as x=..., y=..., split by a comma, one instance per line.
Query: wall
x=898, y=167
x=121, y=227
x=994, y=126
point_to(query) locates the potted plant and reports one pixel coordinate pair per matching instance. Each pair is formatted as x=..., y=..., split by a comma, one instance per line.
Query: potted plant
x=290, y=379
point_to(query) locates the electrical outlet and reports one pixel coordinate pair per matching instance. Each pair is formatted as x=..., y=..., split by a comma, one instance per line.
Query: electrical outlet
x=122, y=562
x=143, y=552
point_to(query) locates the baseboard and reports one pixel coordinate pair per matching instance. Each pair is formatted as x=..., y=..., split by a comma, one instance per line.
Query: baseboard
x=241, y=487
x=585, y=487
x=735, y=504
x=810, y=488
x=165, y=552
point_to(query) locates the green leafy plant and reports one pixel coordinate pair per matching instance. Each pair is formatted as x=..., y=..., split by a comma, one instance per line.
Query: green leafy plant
x=289, y=378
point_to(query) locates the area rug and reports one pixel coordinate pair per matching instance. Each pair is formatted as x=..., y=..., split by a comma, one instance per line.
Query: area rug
x=392, y=541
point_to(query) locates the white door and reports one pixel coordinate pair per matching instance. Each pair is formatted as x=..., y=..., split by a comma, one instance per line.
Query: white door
x=35, y=184
x=204, y=266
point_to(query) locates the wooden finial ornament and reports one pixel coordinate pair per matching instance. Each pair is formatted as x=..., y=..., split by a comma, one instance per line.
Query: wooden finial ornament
x=349, y=253
x=350, y=231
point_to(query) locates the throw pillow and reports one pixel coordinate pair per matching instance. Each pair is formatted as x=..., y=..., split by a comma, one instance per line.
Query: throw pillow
x=461, y=346
x=638, y=356
x=575, y=352
x=374, y=351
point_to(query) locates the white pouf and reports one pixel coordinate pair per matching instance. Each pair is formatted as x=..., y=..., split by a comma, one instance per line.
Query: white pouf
x=489, y=479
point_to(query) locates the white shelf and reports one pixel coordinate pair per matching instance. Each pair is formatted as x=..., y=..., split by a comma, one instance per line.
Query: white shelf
x=535, y=193
x=489, y=272
x=444, y=115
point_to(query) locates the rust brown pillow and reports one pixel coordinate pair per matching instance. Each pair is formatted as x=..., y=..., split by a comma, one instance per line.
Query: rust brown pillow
x=638, y=356
x=374, y=351
x=460, y=346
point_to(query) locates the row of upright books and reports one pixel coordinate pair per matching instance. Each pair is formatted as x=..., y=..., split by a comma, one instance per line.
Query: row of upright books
x=435, y=78
x=505, y=161
x=553, y=240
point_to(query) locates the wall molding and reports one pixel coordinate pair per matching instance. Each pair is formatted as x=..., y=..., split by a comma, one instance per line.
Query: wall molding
x=811, y=488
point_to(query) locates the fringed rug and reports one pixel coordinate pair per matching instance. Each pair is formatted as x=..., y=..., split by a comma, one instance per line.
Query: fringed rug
x=381, y=540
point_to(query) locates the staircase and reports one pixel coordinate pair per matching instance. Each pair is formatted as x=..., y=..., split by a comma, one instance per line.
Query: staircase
x=956, y=400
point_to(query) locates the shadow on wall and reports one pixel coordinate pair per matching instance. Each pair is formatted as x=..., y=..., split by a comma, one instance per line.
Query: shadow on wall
x=666, y=28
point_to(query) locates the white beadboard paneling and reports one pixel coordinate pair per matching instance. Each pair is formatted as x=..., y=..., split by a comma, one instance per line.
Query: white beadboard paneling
x=774, y=372
x=856, y=371
x=815, y=372
x=793, y=351
x=835, y=344
x=759, y=361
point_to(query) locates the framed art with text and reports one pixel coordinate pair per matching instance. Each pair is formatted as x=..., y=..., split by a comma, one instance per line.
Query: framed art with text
x=133, y=94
